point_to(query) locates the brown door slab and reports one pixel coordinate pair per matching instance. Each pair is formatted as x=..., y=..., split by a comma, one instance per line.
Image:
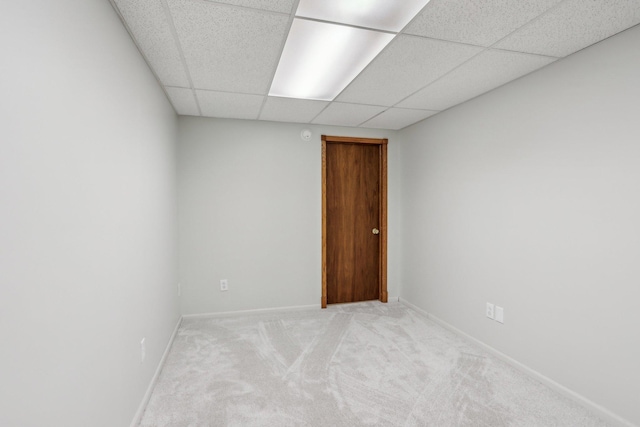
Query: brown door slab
x=354, y=220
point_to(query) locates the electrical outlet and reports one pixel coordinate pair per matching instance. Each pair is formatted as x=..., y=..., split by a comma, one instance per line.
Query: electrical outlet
x=499, y=314
x=143, y=350
x=224, y=285
x=490, y=310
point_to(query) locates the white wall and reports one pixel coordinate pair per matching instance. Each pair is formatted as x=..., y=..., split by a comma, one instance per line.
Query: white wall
x=529, y=197
x=88, y=216
x=250, y=212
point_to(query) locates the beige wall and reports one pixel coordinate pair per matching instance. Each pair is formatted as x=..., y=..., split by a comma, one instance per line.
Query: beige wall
x=249, y=196
x=529, y=197
x=88, y=222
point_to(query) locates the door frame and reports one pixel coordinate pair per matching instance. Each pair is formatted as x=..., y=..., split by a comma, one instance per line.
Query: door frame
x=382, y=274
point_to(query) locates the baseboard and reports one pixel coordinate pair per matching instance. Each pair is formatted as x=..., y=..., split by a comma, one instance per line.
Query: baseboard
x=147, y=395
x=600, y=411
x=253, y=311
x=262, y=310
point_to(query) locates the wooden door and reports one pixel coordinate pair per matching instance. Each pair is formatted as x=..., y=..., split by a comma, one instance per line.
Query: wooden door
x=354, y=220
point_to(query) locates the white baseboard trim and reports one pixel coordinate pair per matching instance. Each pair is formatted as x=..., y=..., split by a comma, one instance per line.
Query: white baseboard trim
x=263, y=310
x=600, y=411
x=147, y=395
x=253, y=311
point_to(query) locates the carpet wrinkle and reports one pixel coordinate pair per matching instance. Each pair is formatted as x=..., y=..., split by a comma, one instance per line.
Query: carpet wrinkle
x=316, y=363
x=256, y=410
x=427, y=402
x=372, y=406
x=471, y=389
x=276, y=348
x=277, y=334
x=295, y=370
x=368, y=377
x=365, y=364
x=322, y=404
x=382, y=366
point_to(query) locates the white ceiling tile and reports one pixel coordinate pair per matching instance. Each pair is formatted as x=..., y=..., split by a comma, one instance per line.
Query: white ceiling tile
x=231, y=49
x=484, y=72
x=151, y=30
x=183, y=101
x=229, y=105
x=284, y=6
x=397, y=118
x=341, y=114
x=227, y=48
x=408, y=64
x=476, y=22
x=574, y=25
x=291, y=110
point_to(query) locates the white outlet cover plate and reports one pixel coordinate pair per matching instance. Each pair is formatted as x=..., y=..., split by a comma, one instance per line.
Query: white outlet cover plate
x=499, y=314
x=490, y=310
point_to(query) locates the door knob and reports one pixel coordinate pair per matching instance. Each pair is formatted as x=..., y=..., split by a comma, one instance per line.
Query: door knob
x=375, y=231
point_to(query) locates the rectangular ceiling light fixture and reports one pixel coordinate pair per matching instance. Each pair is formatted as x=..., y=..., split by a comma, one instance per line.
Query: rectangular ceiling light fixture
x=386, y=15
x=332, y=41
x=320, y=59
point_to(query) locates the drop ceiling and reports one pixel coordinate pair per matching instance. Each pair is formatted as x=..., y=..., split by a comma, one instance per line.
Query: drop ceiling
x=218, y=58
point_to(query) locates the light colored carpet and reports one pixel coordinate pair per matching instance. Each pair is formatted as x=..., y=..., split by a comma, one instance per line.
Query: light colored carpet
x=349, y=365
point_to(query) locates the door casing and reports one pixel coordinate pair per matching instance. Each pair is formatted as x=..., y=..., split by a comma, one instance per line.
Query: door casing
x=382, y=143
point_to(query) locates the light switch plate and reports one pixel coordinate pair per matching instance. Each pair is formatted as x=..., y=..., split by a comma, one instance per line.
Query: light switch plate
x=499, y=314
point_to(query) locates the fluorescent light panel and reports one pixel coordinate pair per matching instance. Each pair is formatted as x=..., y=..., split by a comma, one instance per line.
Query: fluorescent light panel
x=387, y=15
x=321, y=58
